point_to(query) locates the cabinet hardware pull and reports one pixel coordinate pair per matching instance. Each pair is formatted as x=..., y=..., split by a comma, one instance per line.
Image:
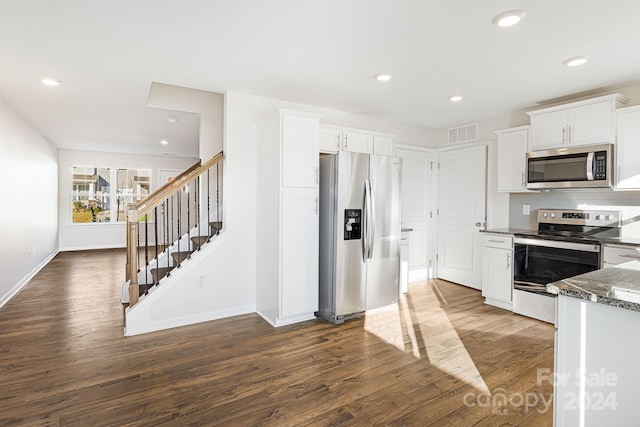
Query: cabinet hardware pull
x=338, y=141
x=523, y=184
x=316, y=175
x=564, y=134
x=508, y=260
x=569, y=135
x=316, y=205
x=346, y=142
x=496, y=241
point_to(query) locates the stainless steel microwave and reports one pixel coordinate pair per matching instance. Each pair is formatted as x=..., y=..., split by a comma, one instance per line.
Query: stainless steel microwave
x=589, y=166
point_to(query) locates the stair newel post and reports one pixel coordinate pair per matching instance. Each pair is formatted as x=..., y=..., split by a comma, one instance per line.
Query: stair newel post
x=132, y=253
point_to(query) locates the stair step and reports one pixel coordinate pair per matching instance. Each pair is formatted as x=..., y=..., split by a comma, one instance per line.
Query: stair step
x=159, y=273
x=179, y=257
x=199, y=241
x=215, y=226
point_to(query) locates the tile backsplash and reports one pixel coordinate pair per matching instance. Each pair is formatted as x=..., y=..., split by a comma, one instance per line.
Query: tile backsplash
x=627, y=202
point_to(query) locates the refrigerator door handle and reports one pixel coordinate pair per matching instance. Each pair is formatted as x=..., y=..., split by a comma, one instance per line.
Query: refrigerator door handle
x=372, y=228
x=367, y=220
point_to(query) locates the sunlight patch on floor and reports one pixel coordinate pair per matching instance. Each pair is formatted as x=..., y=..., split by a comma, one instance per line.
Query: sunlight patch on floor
x=418, y=323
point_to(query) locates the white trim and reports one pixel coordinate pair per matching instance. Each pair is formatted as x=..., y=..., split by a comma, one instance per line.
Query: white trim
x=189, y=320
x=92, y=247
x=414, y=148
x=5, y=299
x=287, y=320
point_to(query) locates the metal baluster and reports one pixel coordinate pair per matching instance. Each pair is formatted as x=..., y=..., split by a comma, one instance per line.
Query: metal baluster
x=188, y=187
x=172, y=221
x=198, y=208
x=179, y=229
x=138, y=243
x=155, y=230
x=166, y=221
x=146, y=253
x=218, y=198
x=208, y=204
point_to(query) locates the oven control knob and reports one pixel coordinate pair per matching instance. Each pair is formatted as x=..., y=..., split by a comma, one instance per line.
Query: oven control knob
x=598, y=217
x=553, y=215
x=545, y=214
x=607, y=218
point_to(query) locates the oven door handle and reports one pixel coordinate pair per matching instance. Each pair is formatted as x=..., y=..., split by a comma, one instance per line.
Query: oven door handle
x=585, y=247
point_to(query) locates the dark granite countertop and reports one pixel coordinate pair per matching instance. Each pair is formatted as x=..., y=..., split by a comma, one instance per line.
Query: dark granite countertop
x=618, y=286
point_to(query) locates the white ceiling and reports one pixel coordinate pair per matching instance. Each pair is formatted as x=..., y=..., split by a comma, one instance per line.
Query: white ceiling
x=319, y=52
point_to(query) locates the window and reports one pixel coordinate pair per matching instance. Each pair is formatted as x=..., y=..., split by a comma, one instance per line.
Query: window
x=102, y=194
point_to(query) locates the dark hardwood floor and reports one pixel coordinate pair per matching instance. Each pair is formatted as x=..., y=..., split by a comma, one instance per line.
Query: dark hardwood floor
x=441, y=358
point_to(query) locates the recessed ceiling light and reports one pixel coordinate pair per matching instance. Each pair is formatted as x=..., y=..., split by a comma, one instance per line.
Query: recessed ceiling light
x=455, y=98
x=49, y=81
x=172, y=120
x=164, y=142
x=509, y=18
x=575, y=61
x=383, y=77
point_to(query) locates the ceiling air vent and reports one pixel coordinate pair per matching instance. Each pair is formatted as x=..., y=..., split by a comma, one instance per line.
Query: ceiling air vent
x=465, y=133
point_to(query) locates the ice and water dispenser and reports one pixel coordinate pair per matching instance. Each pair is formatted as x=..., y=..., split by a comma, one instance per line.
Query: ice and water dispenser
x=352, y=224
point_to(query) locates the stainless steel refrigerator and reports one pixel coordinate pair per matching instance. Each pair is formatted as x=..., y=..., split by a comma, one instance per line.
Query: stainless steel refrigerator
x=359, y=233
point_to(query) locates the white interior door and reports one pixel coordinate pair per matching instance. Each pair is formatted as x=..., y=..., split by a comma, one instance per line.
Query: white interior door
x=417, y=210
x=462, y=205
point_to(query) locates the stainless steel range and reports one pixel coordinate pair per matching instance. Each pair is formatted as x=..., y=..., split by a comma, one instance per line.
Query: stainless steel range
x=567, y=243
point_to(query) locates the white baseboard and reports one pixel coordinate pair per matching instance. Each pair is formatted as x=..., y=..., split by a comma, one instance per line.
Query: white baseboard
x=92, y=247
x=5, y=298
x=145, y=326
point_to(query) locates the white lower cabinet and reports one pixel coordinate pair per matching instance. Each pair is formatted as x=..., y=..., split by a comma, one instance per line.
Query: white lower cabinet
x=299, y=289
x=497, y=270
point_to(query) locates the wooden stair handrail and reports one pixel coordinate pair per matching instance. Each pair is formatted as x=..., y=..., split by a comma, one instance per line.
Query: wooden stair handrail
x=145, y=206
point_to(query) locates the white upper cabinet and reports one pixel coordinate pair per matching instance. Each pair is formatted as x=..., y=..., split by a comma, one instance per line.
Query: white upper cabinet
x=300, y=139
x=512, y=151
x=628, y=148
x=579, y=123
x=383, y=145
x=334, y=139
x=330, y=139
x=357, y=141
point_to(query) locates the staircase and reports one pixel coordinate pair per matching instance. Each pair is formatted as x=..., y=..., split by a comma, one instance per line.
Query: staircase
x=170, y=227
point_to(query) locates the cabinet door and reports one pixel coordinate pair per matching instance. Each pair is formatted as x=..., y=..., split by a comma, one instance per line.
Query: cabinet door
x=357, y=142
x=628, y=150
x=590, y=124
x=496, y=274
x=300, y=137
x=383, y=145
x=512, y=151
x=299, y=256
x=548, y=130
x=330, y=139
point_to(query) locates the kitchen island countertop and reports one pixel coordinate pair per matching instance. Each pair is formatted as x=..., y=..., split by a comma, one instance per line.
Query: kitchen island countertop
x=617, y=286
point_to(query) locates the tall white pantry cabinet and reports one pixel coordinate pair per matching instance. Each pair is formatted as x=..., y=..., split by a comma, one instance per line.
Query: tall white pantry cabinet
x=287, y=217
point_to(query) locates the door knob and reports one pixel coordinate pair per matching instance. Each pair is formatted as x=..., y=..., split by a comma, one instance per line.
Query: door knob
x=478, y=224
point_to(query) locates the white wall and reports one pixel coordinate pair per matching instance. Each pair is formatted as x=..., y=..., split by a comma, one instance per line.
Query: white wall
x=209, y=105
x=29, y=213
x=102, y=235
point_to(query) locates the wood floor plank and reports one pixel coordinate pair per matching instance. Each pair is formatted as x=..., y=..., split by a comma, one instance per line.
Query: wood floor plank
x=64, y=361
